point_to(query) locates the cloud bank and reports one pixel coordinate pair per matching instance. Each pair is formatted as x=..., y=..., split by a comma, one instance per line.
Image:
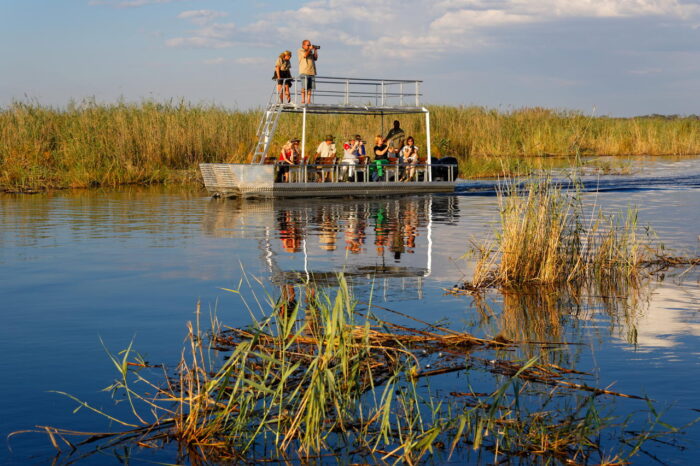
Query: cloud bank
x=412, y=28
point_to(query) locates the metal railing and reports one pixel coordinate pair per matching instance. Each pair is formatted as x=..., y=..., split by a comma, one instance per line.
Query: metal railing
x=361, y=92
x=354, y=173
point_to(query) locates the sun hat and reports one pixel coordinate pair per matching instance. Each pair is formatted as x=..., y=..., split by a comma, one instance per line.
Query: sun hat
x=329, y=137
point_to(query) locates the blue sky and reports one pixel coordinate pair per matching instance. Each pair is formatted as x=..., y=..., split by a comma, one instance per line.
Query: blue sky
x=619, y=57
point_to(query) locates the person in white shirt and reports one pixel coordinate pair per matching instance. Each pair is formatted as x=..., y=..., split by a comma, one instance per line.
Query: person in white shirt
x=326, y=150
x=353, y=149
x=409, y=155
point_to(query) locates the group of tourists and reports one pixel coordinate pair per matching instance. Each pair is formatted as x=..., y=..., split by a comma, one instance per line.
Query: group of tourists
x=308, y=54
x=395, y=147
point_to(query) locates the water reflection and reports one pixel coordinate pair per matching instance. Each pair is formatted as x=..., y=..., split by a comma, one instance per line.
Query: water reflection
x=367, y=240
x=388, y=247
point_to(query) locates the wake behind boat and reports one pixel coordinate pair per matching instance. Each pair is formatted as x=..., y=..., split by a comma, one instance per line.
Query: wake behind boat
x=265, y=176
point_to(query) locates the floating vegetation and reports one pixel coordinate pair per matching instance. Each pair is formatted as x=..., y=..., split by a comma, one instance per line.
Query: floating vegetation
x=325, y=376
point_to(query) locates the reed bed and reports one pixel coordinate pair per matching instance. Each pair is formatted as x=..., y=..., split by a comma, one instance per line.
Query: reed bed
x=326, y=379
x=89, y=144
x=545, y=238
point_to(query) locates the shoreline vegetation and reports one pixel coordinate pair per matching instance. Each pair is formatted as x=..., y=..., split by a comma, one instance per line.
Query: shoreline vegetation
x=88, y=144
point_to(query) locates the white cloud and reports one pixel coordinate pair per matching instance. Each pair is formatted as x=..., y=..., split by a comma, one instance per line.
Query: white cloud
x=458, y=24
x=210, y=33
x=547, y=9
x=411, y=28
x=462, y=19
x=202, y=17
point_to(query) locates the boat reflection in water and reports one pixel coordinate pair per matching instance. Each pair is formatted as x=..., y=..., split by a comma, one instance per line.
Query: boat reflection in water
x=382, y=242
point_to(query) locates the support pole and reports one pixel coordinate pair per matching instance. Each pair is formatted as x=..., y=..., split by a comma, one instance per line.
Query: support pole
x=429, y=154
x=430, y=236
x=303, y=135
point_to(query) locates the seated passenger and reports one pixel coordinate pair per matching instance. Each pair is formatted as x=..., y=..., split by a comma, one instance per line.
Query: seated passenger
x=395, y=139
x=409, y=156
x=325, y=150
x=381, y=149
x=353, y=149
x=289, y=155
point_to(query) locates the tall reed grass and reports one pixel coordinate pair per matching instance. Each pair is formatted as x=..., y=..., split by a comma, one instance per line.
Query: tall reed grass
x=546, y=238
x=90, y=144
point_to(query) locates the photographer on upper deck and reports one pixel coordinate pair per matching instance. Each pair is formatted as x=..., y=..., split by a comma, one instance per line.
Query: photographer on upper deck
x=308, y=54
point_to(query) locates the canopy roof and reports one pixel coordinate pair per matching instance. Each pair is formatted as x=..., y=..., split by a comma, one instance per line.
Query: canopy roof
x=336, y=95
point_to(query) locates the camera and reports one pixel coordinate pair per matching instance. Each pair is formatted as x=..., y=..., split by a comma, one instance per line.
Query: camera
x=316, y=47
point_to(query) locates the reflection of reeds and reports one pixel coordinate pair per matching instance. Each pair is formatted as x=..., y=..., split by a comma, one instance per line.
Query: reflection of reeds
x=532, y=316
x=551, y=260
x=539, y=313
x=305, y=387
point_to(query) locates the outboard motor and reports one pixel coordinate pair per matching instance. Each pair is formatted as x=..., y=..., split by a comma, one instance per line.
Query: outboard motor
x=452, y=172
x=443, y=172
x=436, y=171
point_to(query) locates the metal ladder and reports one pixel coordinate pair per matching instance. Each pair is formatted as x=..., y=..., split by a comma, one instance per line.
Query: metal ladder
x=266, y=128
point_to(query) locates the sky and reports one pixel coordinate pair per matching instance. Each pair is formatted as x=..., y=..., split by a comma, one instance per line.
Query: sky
x=601, y=57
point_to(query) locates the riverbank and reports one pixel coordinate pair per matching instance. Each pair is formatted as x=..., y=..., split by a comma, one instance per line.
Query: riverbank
x=90, y=145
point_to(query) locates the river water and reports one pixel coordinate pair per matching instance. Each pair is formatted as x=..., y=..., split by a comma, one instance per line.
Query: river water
x=84, y=272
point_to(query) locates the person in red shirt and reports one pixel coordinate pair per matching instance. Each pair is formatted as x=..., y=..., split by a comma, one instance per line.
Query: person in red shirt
x=289, y=155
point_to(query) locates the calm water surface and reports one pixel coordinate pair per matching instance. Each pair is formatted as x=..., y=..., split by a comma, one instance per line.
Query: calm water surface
x=83, y=269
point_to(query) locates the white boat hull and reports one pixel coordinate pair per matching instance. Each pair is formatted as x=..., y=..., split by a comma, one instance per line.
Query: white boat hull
x=246, y=180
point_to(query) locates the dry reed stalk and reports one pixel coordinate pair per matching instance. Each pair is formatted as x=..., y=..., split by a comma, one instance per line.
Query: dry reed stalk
x=545, y=239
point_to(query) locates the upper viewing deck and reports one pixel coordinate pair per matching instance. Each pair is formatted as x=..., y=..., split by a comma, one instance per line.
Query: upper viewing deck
x=356, y=96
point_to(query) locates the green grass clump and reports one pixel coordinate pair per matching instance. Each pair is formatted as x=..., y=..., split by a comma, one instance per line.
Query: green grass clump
x=88, y=144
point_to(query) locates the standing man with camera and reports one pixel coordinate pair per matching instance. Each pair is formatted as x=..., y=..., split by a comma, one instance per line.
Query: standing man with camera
x=308, y=54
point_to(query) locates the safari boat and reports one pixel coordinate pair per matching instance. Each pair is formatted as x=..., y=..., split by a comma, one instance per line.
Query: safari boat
x=333, y=95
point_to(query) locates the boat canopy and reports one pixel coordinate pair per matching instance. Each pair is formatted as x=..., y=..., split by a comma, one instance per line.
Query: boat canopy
x=335, y=95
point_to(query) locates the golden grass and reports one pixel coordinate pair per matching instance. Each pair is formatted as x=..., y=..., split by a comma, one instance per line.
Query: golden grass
x=546, y=239
x=89, y=144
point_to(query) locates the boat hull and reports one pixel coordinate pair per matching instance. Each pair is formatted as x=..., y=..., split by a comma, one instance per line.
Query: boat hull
x=246, y=180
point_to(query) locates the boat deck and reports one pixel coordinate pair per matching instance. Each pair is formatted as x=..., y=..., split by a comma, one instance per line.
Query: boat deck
x=246, y=180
